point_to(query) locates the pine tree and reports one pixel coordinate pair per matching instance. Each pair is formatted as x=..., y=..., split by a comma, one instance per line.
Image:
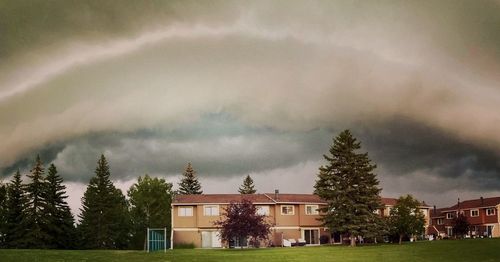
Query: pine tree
x=60, y=224
x=349, y=186
x=189, y=184
x=104, y=218
x=35, y=219
x=16, y=202
x=247, y=187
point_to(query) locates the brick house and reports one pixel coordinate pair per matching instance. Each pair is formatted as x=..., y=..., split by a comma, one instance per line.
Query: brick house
x=292, y=216
x=482, y=215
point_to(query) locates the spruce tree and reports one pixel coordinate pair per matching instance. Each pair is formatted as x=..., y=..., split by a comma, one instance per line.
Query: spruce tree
x=247, y=187
x=349, y=186
x=60, y=224
x=16, y=202
x=104, y=218
x=35, y=219
x=189, y=184
x=3, y=214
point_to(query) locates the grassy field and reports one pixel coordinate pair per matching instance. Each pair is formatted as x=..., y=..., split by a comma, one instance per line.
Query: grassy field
x=445, y=250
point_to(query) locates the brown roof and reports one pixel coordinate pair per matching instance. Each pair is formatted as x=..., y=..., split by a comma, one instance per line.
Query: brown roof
x=468, y=204
x=296, y=198
x=220, y=198
x=389, y=201
x=258, y=198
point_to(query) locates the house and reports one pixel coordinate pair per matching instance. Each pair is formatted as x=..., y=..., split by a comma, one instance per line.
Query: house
x=292, y=216
x=482, y=215
x=389, y=204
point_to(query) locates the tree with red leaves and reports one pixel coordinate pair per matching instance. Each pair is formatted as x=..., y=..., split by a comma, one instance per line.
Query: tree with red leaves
x=241, y=221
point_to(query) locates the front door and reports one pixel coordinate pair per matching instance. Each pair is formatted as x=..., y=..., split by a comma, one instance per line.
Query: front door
x=311, y=236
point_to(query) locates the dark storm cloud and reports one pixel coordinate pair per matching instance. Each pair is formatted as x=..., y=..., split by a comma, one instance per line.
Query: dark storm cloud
x=217, y=145
x=137, y=81
x=402, y=147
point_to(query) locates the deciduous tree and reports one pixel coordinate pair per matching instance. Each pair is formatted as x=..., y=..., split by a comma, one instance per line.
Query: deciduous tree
x=350, y=188
x=150, y=200
x=460, y=225
x=406, y=218
x=240, y=220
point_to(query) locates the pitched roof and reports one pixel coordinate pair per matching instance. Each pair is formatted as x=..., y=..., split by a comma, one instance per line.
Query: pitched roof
x=220, y=198
x=259, y=198
x=389, y=201
x=469, y=204
x=295, y=198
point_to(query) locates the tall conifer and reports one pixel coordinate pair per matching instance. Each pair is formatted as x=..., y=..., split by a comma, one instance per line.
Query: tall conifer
x=247, y=187
x=16, y=203
x=60, y=224
x=35, y=220
x=349, y=186
x=104, y=218
x=189, y=184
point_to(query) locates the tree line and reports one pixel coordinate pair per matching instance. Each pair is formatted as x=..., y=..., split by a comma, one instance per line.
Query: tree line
x=34, y=213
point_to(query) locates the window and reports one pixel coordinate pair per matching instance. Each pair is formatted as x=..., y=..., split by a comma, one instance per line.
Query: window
x=312, y=210
x=211, y=210
x=287, y=210
x=490, y=211
x=263, y=210
x=185, y=211
x=449, y=231
x=449, y=215
x=439, y=221
x=474, y=213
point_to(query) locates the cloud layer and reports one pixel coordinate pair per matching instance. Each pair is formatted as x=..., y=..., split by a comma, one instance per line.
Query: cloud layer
x=250, y=87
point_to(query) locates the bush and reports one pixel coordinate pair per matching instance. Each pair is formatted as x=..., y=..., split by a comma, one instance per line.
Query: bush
x=184, y=246
x=324, y=239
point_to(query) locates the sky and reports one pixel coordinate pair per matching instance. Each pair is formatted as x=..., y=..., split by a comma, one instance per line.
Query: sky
x=254, y=87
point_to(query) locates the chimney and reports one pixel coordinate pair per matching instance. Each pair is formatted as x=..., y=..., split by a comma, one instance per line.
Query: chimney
x=276, y=194
x=458, y=204
x=482, y=201
x=435, y=211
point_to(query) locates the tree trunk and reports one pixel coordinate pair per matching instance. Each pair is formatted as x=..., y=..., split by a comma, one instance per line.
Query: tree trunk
x=353, y=241
x=400, y=238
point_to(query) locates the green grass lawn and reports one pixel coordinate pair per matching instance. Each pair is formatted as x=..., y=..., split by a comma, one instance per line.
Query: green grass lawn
x=444, y=250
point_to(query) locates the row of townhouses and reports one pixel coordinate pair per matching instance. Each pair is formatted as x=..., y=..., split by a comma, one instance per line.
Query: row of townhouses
x=295, y=217
x=482, y=215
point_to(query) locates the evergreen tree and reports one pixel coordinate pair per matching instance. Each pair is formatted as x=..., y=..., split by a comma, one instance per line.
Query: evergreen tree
x=349, y=186
x=189, y=184
x=16, y=202
x=3, y=214
x=150, y=200
x=60, y=224
x=35, y=219
x=104, y=218
x=247, y=187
